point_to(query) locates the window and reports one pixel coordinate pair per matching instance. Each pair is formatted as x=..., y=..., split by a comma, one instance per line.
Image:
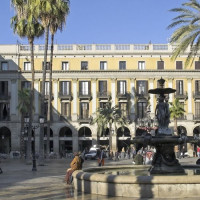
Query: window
x=124, y=109
x=26, y=84
x=65, y=87
x=141, y=65
x=84, y=87
x=46, y=88
x=48, y=65
x=103, y=104
x=84, y=65
x=121, y=87
x=142, y=87
x=84, y=110
x=197, y=87
x=197, y=110
x=141, y=109
x=179, y=65
x=65, y=66
x=4, y=88
x=27, y=66
x=4, y=65
x=179, y=87
x=197, y=64
x=4, y=111
x=102, y=87
x=122, y=65
x=103, y=65
x=66, y=109
x=160, y=65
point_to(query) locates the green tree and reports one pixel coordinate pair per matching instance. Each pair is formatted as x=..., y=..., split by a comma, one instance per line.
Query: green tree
x=108, y=116
x=187, y=33
x=26, y=26
x=56, y=23
x=23, y=107
x=176, y=111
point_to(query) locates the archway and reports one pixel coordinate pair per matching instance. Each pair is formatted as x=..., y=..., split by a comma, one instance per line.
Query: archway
x=5, y=140
x=65, y=141
x=123, y=138
x=85, y=138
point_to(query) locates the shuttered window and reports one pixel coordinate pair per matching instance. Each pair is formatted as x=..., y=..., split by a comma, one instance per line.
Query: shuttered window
x=65, y=87
x=122, y=65
x=197, y=109
x=102, y=86
x=160, y=65
x=141, y=109
x=66, y=109
x=84, y=110
x=197, y=64
x=84, y=87
x=197, y=87
x=142, y=87
x=179, y=65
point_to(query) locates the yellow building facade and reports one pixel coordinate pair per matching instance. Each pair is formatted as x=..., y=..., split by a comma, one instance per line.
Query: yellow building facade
x=86, y=77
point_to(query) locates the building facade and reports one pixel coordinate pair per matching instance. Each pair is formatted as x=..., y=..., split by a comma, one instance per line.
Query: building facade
x=86, y=77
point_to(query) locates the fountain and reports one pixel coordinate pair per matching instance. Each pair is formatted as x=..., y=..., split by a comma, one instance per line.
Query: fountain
x=166, y=178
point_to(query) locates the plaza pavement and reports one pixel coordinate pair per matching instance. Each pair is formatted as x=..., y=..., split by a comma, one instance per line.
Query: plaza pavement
x=18, y=182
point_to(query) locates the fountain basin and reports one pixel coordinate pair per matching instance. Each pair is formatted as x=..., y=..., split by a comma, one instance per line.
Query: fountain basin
x=96, y=181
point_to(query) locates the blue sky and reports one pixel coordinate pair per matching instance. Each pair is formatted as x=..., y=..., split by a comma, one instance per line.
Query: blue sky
x=105, y=21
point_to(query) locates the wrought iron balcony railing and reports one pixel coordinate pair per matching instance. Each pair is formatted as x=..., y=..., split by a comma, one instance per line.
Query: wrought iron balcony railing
x=181, y=95
x=65, y=95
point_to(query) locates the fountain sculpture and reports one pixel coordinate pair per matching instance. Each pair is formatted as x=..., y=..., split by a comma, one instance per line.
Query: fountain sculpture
x=177, y=184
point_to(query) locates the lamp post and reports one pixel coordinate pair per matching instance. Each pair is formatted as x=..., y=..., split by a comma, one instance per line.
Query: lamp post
x=34, y=127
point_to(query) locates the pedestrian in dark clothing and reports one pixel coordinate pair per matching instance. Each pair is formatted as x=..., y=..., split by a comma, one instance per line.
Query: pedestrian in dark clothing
x=1, y=171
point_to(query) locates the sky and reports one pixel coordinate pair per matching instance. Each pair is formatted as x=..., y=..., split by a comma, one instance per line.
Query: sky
x=105, y=22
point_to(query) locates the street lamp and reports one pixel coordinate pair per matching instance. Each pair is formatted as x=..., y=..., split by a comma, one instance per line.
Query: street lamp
x=26, y=121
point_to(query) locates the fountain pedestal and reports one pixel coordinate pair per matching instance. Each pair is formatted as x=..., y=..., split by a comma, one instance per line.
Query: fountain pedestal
x=164, y=161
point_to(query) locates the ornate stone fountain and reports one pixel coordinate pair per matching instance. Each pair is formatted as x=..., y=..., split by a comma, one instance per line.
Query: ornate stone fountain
x=112, y=180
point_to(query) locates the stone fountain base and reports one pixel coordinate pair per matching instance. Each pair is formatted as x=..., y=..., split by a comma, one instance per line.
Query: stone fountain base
x=95, y=182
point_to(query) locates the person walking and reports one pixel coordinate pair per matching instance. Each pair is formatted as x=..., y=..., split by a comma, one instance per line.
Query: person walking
x=198, y=152
x=101, y=156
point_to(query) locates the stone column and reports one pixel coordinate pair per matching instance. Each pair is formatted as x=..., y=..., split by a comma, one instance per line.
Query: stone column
x=74, y=89
x=56, y=144
x=75, y=140
x=189, y=89
x=36, y=100
x=113, y=91
x=94, y=97
x=152, y=106
x=170, y=85
x=55, y=102
x=132, y=99
x=14, y=100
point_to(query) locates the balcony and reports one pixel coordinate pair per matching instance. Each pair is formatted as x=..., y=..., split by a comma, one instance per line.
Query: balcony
x=86, y=119
x=196, y=95
x=123, y=95
x=197, y=117
x=65, y=96
x=87, y=96
x=4, y=96
x=182, y=95
x=183, y=117
x=104, y=95
x=142, y=95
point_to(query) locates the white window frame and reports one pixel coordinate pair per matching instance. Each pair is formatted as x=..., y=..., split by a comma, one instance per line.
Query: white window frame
x=27, y=66
x=103, y=65
x=65, y=66
x=85, y=87
x=141, y=65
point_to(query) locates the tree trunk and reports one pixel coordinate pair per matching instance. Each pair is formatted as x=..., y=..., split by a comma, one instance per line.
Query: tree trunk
x=41, y=145
x=22, y=142
x=110, y=137
x=175, y=127
x=50, y=96
x=29, y=145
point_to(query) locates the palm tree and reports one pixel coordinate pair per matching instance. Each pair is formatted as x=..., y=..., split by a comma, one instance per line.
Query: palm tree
x=57, y=22
x=176, y=111
x=44, y=10
x=106, y=117
x=26, y=26
x=23, y=107
x=187, y=33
